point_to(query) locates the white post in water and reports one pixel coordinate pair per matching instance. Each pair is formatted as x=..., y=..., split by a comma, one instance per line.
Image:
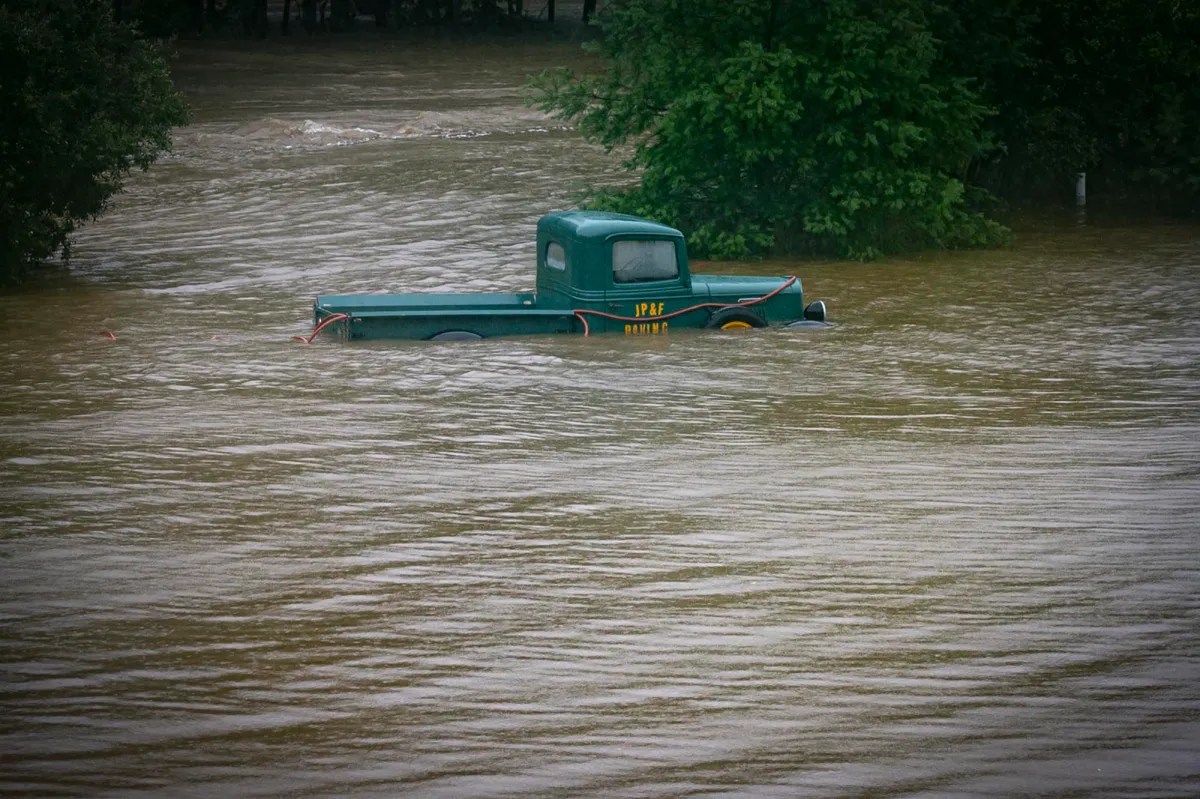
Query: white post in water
x=1081, y=188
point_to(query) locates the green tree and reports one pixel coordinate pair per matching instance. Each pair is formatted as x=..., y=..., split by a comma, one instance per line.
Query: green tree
x=821, y=125
x=83, y=100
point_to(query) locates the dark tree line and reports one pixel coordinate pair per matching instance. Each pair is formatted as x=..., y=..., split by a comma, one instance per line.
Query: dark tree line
x=850, y=127
x=1110, y=87
x=253, y=17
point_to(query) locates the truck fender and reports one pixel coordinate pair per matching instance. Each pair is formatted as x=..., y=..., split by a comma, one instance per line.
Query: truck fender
x=735, y=318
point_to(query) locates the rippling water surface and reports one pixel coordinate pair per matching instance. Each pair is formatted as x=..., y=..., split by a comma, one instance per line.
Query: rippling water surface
x=948, y=547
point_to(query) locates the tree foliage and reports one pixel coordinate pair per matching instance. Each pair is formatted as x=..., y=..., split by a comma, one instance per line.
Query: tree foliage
x=820, y=124
x=83, y=100
x=856, y=128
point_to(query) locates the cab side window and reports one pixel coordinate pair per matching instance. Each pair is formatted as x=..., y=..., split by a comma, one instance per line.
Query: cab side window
x=639, y=260
x=556, y=258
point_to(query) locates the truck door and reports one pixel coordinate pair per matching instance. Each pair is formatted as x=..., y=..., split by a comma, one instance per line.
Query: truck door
x=647, y=283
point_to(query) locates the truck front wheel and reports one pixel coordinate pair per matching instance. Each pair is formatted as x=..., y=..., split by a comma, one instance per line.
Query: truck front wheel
x=735, y=319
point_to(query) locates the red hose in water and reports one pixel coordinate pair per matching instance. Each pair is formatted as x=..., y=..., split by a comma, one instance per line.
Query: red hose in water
x=326, y=322
x=582, y=313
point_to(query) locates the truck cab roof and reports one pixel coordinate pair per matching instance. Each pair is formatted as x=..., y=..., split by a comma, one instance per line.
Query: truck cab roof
x=592, y=225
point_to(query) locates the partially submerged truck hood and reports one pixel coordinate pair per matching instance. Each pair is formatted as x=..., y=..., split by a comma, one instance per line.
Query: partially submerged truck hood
x=739, y=285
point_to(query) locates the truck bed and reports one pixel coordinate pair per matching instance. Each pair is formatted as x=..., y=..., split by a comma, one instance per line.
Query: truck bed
x=407, y=303
x=423, y=316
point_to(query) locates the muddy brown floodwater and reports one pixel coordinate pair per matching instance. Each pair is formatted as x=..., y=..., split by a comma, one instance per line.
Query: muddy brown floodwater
x=949, y=547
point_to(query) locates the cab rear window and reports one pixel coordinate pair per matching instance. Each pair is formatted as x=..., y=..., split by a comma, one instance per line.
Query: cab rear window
x=556, y=258
x=640, y=260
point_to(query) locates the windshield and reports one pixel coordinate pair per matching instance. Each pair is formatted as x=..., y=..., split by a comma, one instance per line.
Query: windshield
x=639, y=260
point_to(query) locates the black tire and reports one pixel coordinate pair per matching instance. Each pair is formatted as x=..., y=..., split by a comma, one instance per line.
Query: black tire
x=456, y=335
x=735, y=319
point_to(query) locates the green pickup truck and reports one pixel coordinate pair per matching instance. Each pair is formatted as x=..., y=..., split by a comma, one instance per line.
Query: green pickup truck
x=596, y=272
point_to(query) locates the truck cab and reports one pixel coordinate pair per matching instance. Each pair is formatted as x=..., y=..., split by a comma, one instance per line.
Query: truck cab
x=624, y=265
